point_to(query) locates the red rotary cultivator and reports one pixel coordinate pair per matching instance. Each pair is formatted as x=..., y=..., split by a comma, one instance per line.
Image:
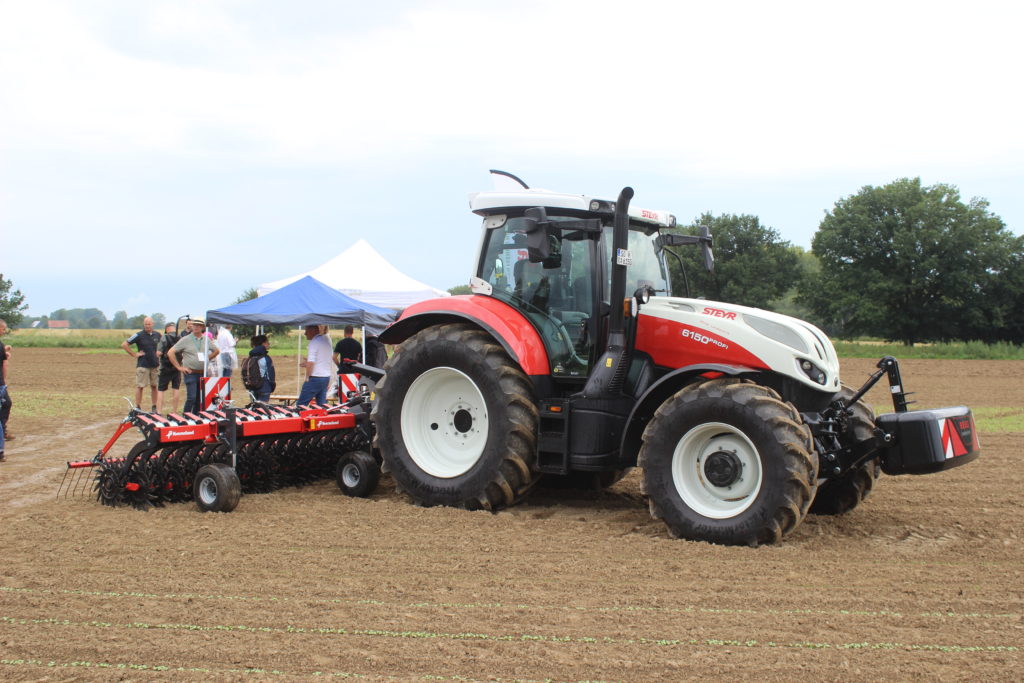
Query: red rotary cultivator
x=213, y=456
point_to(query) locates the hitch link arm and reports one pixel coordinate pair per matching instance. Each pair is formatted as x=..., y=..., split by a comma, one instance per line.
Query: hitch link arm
x=891, y=366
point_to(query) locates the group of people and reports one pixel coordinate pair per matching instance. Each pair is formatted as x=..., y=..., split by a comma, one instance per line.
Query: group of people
x=164, y=362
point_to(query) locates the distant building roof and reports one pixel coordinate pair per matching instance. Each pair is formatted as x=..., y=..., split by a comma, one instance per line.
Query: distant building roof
x=59, y=324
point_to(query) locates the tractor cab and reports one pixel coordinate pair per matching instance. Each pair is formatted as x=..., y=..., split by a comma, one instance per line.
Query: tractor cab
x=549, y=256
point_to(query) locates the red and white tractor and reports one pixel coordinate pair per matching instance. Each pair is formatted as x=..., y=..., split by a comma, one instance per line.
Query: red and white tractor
x=572, y=359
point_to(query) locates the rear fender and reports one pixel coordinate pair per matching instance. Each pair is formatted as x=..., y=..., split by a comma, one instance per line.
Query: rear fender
x=660, y=391
x=505, y=324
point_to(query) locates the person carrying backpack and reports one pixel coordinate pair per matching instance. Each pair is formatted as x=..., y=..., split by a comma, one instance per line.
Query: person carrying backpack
x=258, y=369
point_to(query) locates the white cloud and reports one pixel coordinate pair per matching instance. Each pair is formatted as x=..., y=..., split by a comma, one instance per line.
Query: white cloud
x=119, y=117
x=712, y=86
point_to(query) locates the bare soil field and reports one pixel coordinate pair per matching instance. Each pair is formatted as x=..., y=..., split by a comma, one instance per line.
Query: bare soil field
x=924, y=581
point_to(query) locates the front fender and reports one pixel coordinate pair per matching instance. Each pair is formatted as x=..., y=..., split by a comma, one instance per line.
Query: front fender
x=507, y=325
x=659, y=392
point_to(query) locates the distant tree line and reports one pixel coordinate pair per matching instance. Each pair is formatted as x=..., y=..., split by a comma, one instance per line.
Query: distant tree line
x=901, y=262
x=94, y=319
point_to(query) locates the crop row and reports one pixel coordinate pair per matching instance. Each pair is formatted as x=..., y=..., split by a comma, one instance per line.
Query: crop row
x=271, y=599
x=511, y=637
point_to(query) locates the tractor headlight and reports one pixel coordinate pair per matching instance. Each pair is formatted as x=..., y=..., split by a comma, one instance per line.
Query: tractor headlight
x=815, y=373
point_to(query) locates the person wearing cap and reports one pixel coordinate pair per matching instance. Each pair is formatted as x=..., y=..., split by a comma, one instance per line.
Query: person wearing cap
x=191, y=347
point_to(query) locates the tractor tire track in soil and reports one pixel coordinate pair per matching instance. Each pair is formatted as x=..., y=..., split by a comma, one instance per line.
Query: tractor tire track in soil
x=923, y=581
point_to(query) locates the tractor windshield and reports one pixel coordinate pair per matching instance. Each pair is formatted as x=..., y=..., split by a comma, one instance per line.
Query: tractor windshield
x=648, y=267
x=565, y=294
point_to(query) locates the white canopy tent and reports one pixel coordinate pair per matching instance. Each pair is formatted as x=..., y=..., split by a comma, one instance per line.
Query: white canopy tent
x=363, y=274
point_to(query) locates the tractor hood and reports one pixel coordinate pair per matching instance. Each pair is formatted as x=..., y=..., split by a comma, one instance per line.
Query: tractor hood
x=677, y=332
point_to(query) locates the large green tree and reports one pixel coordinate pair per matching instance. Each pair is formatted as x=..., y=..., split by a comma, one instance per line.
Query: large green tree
x=910, y=263
x=753, y=266
x=12, y=303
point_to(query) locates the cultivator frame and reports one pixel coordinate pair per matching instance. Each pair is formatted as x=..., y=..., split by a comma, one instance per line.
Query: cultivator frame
x=267, y=446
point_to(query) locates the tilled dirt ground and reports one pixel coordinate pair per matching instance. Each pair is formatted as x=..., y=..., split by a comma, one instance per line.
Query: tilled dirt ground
x=921, y=582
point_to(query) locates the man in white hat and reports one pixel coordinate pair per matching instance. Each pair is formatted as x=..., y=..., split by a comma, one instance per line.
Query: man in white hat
x=192, y=348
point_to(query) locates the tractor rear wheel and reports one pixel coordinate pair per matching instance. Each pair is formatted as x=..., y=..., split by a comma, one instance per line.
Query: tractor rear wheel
x=456, y=420
x=727, y=461
x=842, y=494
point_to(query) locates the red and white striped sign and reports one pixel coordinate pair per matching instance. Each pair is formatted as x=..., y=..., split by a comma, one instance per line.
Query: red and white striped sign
x=216, y=390
x=347, y=383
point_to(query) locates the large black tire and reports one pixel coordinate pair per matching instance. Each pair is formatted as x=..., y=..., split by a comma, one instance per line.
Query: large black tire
x=456, y=420
x=727, y=461
x=217, y=488
x=358, y=474
x=842, y=494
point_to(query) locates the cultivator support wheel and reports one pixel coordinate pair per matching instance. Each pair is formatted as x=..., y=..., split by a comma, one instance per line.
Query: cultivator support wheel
x=255, y=449
x=217, y=488
x=358, y=474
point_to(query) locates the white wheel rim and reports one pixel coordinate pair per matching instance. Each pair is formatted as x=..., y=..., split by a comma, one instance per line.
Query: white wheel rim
x=689, y=461
x=350, y=475
x=444, y=422
x=208, y=490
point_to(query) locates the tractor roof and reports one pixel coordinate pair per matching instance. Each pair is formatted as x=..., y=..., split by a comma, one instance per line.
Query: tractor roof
x=495, y=202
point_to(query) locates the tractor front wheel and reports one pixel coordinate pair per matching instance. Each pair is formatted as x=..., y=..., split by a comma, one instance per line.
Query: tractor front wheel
x=456, y=420
x=727, y=461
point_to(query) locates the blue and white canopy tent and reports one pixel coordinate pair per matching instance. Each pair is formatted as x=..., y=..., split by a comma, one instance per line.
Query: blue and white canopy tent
x=306, y=301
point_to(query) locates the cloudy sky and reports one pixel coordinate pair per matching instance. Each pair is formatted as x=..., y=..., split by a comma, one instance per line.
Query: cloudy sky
x=165, y=156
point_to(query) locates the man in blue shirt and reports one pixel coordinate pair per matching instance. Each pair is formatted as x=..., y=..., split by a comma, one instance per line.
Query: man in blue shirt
x=147, y=363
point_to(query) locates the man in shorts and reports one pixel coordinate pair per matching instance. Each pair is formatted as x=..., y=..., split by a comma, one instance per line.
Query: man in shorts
x=169, y=377
x=146, y=361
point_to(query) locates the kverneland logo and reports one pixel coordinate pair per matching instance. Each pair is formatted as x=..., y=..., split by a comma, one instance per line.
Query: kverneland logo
x=181, y=433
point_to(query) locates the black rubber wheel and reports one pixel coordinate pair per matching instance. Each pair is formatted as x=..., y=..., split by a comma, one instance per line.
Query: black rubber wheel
x=727, y=461
x=842, y=494
x=217, y=488
x=456, y=420
x=357, y=474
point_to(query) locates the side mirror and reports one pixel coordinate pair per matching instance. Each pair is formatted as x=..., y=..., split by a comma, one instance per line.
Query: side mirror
x=704, y=240
x=537, y=245
x=705, y=246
